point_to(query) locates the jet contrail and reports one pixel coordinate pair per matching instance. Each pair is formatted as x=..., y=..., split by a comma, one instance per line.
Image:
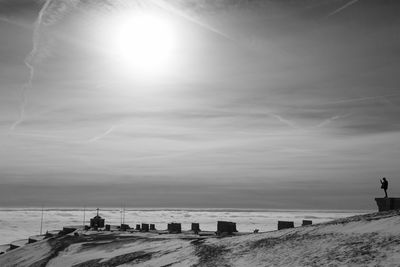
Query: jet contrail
x=28, y=62
x=173, y=10
x=330, y=120
x=49, y=14
x=365, y=98
x=98, y=137
x=352, y=2
x=284, y=121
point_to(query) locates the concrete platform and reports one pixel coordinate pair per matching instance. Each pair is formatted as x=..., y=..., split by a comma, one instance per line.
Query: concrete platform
x=390, y=203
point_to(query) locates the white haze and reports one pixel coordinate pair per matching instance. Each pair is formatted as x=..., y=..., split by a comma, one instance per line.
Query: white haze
x=20, y=223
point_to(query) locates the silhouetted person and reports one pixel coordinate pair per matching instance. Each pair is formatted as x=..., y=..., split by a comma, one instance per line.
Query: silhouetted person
x=384, y=185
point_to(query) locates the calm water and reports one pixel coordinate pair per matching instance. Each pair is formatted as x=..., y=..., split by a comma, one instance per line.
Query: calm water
x=20, y=223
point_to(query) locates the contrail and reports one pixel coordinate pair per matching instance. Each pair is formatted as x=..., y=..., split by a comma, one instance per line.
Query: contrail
x=173, y=10
x=284, y=121
x=49, y=14
x=365, y=98
x=29, y=63
x=327, y=121
x=330, y=120
x=352, y=2
x=98, y=137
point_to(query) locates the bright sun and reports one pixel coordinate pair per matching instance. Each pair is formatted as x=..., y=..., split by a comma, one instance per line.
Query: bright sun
x=143, y=43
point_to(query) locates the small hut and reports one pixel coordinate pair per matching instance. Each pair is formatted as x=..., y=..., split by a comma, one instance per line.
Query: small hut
x=195, y=227
x=226, y=227
x=285, y=225
x=97, y=221
x=174, y=228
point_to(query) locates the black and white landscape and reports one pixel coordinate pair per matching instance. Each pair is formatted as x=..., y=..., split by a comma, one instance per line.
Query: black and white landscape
x=179, y=105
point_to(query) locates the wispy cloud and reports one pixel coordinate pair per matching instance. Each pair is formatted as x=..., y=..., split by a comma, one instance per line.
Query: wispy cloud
x=352, y=2
x=49, y=14
x=284, y=121
x=14, y=22
x=178, y=12
x=101, y=136
x=330, y=120
x=365, y=98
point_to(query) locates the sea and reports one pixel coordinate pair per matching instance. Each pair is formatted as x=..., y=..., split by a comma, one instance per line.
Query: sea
x=20, y=223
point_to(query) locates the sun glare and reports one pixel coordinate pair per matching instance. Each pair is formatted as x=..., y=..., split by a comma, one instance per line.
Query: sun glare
x=143, y=43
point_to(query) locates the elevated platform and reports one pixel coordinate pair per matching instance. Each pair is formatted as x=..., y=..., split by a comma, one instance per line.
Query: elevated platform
x=390, y=203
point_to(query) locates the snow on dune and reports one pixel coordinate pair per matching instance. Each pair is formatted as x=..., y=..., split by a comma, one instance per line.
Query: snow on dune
x=27, y=255
x=134, y=248
x=365, y=240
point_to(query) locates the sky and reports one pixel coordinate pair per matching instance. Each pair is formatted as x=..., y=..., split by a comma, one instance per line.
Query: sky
x=204, y=104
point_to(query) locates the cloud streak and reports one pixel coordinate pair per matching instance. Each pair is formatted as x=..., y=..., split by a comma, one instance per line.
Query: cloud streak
x=14, y=22
x=103, y=135
x=361, y=99
x=30, y=64
x=340, y=9
x=49, y=14
x=170, y=8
